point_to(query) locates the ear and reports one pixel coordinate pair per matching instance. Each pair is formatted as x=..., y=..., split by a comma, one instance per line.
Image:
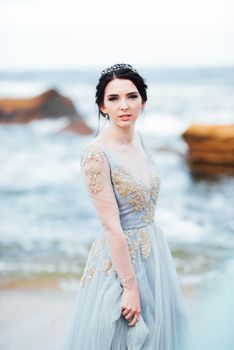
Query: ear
x=102, y=109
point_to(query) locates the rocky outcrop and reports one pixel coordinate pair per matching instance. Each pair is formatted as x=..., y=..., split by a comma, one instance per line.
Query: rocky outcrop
x=49, y=104
x=210, y=146
x=78, y=127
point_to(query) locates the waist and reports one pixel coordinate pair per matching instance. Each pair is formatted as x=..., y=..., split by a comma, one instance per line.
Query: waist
x=132, y=227
x=135, y=219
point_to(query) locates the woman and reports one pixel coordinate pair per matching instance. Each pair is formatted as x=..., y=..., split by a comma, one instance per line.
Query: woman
x=129, y=296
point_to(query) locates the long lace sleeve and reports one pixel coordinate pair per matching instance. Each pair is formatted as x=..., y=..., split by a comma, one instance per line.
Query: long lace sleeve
x=95, y=171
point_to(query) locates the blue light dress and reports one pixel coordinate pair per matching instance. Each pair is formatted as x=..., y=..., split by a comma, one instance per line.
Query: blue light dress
x=97, y=322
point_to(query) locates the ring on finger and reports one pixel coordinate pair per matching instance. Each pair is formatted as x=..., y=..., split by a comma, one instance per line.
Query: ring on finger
x=135, y=318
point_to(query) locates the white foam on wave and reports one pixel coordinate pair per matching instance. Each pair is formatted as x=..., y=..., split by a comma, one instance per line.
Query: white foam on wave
x=178, y=229
x=49, y=126
x=37, y=170
x=161, y=124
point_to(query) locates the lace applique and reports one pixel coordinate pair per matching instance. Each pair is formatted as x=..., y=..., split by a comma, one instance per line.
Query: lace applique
x=132, y=246
x=124, y=184
x=137, y=239
x=108, y=266
x=148, y=216
x=144, y=242
x=93, y=172
x=139, y=196
x=94, y=254
x=154, y=191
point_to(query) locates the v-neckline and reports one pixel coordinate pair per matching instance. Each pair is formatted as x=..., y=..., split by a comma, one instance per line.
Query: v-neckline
x=129, y=170
x=131, y=173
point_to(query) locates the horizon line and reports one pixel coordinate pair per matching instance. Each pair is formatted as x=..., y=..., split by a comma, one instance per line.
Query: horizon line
x=97, y=68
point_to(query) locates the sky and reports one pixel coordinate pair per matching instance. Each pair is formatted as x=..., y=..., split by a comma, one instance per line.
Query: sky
x=73, y=34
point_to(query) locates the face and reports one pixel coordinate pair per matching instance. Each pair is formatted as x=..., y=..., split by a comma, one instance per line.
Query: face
x=122, y=102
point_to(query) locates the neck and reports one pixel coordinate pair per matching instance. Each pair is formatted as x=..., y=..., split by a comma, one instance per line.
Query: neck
x=121, y=136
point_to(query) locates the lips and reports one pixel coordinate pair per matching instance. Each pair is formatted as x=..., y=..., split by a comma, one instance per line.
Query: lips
x=125, y=115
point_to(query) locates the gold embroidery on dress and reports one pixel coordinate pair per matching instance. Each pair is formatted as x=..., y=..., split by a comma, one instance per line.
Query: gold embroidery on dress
x=107, y=266
x=144, y=242
x=148, y=216
x=93, y=172
x=132, y=246
x=125, y=185
x=95, y=253
x=155, y=186
x=136, y=239
x=156, y=180
x=140, y=197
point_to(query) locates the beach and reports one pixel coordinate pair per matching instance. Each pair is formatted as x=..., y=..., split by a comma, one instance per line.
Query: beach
x=48, y=222
x=33, y=319
x=35, y=315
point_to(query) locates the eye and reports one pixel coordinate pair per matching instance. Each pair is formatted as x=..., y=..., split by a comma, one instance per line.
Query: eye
x=112, y=99
x=133, y=96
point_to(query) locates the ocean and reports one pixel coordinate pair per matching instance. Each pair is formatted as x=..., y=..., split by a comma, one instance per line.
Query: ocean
x=47, y=221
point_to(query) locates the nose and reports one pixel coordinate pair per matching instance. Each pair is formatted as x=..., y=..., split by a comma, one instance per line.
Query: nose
x=124, y=104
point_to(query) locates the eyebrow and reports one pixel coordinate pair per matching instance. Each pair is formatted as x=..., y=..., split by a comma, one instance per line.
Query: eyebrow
x=133, y=92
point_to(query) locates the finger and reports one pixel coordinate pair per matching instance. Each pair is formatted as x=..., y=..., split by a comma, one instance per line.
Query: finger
x=135, y=318
x=126, y=311
x=129, y=315
x=126, y=316
x=132, y=323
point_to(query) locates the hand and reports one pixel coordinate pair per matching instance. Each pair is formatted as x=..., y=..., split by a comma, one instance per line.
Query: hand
x=130, y=303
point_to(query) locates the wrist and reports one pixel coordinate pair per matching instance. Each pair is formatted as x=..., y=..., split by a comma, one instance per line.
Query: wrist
x=131, y=286
x=128, y=281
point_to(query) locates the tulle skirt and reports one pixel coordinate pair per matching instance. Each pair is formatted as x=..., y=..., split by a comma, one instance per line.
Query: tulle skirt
x=97, y=322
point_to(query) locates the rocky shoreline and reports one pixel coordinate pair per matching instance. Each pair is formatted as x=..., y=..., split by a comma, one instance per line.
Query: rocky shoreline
x=50, y=104
x=210, y=148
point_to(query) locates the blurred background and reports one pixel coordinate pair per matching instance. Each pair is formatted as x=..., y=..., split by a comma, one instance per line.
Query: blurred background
x=52, y=53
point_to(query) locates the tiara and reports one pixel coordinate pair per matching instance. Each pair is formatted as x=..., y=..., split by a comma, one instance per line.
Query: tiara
x=117, y=67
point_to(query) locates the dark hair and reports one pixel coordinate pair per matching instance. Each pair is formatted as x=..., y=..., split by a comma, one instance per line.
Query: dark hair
x=119, y=73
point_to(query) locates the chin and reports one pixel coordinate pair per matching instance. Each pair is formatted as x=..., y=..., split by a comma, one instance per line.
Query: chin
x=126, y=122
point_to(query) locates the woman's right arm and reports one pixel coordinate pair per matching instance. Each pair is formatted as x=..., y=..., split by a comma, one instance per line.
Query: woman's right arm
x=95, y=170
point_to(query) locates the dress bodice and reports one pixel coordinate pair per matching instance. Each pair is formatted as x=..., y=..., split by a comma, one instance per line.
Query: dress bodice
x=136, y=200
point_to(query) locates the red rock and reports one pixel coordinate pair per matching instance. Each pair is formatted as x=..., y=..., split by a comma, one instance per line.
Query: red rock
x=49, y=104
x=79, y=128
x=210, y=145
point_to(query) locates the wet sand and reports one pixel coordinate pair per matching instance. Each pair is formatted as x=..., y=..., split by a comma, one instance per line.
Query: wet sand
x=35, y=313
x=34, y=319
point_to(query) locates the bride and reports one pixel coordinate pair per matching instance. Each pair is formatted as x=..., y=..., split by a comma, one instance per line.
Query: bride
x=129, y=295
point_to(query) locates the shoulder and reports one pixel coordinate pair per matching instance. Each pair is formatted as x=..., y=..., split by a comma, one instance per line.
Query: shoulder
x=94, y=167
x=92, y=152
x=93, y=155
